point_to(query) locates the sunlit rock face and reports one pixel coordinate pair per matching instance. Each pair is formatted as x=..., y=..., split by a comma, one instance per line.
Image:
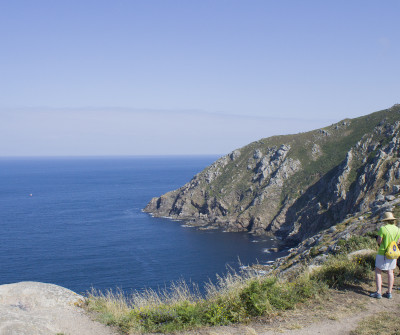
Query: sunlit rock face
x=294, y=186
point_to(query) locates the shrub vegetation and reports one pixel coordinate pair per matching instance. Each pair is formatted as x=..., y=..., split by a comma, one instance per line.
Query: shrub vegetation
x=357, y=243
x=236, y=297
x=339, y=271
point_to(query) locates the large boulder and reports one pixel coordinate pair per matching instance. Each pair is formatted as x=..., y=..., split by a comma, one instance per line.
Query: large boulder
x=28, y=308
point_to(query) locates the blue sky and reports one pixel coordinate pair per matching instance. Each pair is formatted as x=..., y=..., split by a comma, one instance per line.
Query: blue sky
x=188, y=77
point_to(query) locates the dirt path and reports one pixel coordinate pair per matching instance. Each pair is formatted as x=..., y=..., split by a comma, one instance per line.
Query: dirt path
x=338, y=313
x=340, y=322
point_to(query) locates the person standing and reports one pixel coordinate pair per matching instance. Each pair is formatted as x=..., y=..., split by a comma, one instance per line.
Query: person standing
x=386, y=234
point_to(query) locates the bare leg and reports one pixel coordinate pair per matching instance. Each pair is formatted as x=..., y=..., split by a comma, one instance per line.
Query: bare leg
x=390, y=280
x=378, y=279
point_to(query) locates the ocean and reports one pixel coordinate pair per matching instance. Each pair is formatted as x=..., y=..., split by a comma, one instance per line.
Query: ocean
x=78, y=223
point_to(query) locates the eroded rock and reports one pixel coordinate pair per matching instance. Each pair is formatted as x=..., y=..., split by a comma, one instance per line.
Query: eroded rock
x=32, y=308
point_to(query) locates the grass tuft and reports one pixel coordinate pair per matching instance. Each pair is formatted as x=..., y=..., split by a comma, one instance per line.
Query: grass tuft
x=235, y=297
x=357, y=243
x=340, y=271
x=382, y=324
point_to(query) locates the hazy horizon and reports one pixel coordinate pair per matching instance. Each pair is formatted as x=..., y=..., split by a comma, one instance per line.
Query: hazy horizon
x=127, y=133
x=174, y=77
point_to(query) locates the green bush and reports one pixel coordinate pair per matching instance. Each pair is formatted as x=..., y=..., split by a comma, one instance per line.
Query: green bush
x=340, y=271
x=217, y=314
x=238, y=299
x=255, y=297
x=314, y=252
x=356, y=243
x=305, y=287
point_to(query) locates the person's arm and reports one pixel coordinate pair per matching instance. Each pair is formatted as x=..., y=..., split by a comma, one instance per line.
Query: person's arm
x=379, y=238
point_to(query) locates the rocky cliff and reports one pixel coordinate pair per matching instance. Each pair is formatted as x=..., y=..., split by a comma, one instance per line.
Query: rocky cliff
x=294, y=186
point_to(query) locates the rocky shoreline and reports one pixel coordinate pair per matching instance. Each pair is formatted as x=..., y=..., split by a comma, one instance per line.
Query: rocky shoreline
x=295, y=186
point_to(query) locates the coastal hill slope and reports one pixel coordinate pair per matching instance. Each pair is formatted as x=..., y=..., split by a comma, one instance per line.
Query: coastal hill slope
x=294, y=186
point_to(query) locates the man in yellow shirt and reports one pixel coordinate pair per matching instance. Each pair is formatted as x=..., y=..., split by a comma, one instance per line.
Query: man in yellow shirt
x=386, y=235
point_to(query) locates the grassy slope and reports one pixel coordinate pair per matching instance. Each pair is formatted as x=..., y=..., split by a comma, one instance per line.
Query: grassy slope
x=334, y=149
x=238, y=298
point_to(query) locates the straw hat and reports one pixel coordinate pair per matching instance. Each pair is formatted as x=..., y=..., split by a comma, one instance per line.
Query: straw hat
x=388, y=216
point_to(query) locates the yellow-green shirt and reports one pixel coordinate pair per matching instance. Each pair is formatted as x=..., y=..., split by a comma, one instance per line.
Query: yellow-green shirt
x=388, y=238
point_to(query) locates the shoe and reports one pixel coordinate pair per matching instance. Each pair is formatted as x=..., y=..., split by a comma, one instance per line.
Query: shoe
x=376, y=295
x=387, y=295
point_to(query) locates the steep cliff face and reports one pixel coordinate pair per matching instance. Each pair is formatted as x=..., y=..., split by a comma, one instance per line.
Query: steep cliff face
x=295, y=185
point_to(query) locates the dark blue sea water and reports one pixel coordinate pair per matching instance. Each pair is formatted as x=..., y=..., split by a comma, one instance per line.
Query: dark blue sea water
x=77, y=222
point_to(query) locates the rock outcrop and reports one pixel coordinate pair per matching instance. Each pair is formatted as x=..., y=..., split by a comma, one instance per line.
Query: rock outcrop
x=294, y=186
x=28, y=308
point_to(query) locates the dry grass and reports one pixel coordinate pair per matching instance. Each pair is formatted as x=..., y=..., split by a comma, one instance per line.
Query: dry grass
x=384, y=323
x=119, y=303
x=229, y=284
x=115, y=303
x=234, y=298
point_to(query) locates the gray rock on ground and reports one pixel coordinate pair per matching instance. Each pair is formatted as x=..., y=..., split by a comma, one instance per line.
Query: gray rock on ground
x=28, y=308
